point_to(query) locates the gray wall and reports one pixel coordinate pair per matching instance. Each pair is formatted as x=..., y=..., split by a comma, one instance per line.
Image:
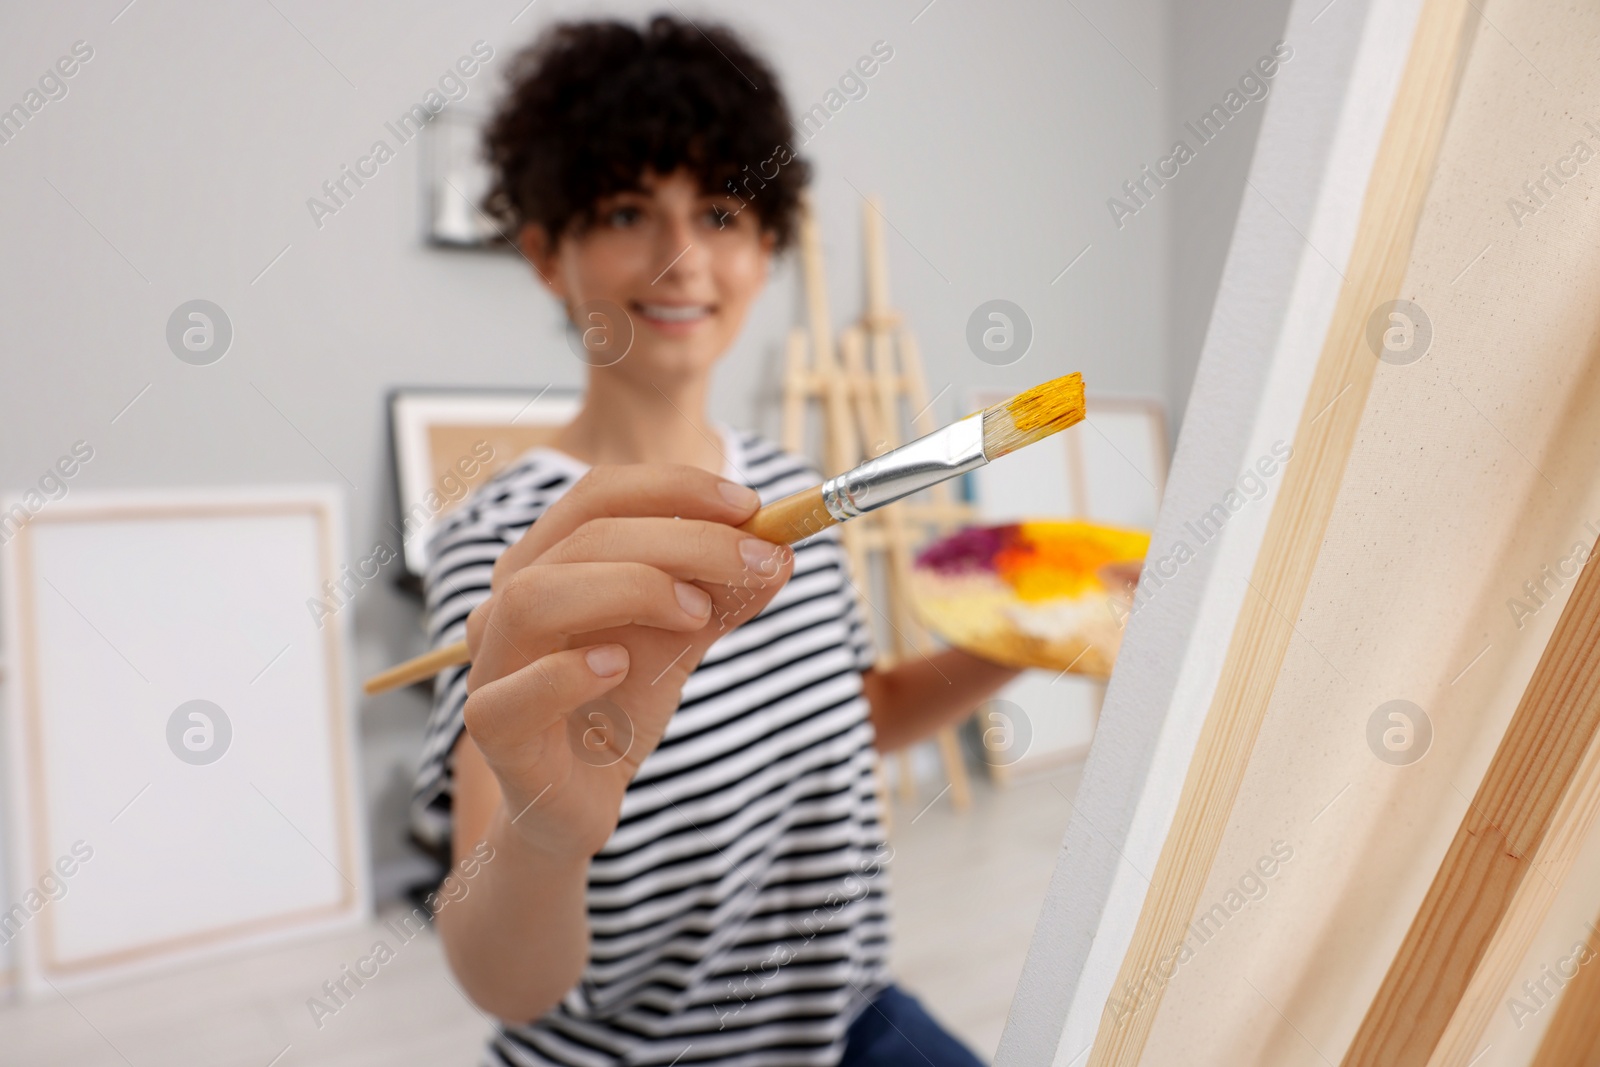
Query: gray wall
x=1213, y=43
x=179, y=165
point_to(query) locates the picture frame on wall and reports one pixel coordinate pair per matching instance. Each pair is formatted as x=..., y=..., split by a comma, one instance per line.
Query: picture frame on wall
x=447, y=441
x=455, y=180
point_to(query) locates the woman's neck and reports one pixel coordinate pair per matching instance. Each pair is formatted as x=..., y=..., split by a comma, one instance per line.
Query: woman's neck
x=624, y=420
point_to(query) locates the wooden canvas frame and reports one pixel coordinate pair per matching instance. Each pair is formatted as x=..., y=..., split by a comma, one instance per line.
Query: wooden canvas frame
x=1371, y=578
x=1516, y=841
x=42, y=963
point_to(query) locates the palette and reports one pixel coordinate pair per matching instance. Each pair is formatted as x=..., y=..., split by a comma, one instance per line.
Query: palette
x=1050, y=594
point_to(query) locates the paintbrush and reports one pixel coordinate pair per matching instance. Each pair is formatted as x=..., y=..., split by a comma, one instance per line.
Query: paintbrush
x=962, y=446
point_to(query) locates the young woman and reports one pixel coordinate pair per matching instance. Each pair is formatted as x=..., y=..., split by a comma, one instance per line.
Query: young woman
x=665, y=740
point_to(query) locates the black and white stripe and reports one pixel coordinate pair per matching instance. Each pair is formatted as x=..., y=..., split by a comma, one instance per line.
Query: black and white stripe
x=738, y=913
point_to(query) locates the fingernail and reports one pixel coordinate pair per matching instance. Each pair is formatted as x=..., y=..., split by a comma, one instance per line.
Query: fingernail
x=606, y=660
x=693, y=599
x=740, y=496
x=759, y=555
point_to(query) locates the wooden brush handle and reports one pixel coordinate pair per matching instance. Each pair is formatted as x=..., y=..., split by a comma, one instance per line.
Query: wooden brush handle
x=783, y=522
x=794, y=518
x=418, y=669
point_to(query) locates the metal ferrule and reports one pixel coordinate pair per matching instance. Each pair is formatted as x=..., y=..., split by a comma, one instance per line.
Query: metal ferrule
x=927, y=461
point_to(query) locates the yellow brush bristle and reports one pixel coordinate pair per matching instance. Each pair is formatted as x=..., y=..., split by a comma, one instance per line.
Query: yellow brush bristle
x=1033, y=414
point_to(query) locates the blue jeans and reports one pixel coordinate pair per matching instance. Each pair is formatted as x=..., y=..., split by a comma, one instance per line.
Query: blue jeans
x=896, y=1031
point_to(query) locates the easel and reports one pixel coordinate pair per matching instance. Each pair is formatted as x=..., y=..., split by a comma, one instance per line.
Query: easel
x=861, y=417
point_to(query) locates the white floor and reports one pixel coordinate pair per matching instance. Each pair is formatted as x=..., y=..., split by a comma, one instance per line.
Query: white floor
x=966, y=890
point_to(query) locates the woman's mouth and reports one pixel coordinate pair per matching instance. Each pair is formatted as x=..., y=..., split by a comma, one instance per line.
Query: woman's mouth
x=673, y=318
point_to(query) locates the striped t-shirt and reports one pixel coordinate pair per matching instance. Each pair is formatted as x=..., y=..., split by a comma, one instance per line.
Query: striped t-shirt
x=737, y=915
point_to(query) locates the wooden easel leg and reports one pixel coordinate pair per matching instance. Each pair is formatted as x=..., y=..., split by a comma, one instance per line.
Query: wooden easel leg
x=955, y=768
x=862, y=417
x=880, y=777
x=905, y=779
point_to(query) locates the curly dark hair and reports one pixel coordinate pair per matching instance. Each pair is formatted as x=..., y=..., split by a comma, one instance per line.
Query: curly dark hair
x=591, y=106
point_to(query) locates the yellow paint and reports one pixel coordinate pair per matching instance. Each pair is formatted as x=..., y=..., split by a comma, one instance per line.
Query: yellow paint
x=1063, y=559
x=1055, y=404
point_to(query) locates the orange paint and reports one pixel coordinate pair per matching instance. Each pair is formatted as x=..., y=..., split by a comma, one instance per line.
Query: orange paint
x=1048, y=560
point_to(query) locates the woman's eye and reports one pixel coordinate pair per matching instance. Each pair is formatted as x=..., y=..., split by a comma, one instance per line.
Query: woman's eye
x=623, y=216
x=718, y=216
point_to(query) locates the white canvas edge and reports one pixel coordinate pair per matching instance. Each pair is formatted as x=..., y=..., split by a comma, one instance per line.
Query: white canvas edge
x=1276, y=297
x=30, y=979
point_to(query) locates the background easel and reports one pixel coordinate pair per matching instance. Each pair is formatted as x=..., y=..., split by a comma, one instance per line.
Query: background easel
x=866, y=410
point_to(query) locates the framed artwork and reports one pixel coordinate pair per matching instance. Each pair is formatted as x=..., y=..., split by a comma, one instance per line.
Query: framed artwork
x=183, y=773
x=454, y=182
x=449, y=441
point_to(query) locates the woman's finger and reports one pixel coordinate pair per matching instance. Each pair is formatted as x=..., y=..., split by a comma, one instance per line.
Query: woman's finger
x=509, y=717
x=663, y=490
x=542, y=606
x=688, y=549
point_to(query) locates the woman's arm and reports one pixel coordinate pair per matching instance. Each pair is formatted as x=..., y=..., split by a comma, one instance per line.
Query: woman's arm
x=911, y=701
x=611, y=593
x=519, y=938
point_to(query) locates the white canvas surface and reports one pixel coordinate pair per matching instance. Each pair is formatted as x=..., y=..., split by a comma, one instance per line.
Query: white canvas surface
x=120, y=610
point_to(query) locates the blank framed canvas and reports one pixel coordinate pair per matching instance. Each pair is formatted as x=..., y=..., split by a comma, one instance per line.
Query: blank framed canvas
x=179, y=730
x=1111, y=468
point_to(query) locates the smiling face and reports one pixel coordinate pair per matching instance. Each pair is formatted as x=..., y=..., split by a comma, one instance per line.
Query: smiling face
x=684, y=264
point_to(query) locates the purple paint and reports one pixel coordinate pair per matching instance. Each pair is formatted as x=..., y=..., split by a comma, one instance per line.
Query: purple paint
x=971, y=549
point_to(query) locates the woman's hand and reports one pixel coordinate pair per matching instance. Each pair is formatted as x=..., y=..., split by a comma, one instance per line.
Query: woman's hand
x=612, y=597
